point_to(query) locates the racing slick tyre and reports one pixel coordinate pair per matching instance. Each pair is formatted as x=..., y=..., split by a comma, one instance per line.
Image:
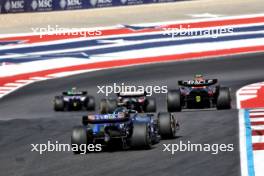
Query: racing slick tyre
x=58, y=104
x=141, y=136
x=78, y=139
x=150, y=105
x=107, y=106
x=90, y=103
x=167, y=125
x=174, y=100
x=223, y=99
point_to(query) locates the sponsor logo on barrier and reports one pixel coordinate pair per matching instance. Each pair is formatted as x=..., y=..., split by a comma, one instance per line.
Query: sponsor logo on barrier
x=101, y=3
x=63, y=4
x=163, y=1
x=123, y=1
x=7, y=6
x=41, y=5
x=132, y=2
x=14, y=6
x=93, y=2
x=34, y=5
x=70, y=4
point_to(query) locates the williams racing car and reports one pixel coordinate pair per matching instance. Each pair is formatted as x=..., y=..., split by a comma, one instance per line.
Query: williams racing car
x=74, y=100
x=131, y=100
x=198, y=94
x=125, y=128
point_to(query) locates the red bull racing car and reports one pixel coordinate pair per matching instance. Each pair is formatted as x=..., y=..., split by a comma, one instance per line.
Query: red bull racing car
x=198, y=94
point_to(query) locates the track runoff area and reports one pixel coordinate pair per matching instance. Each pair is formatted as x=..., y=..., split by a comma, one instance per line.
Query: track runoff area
x=51, y=53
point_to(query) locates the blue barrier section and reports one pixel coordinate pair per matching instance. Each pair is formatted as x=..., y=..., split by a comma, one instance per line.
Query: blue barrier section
x=18, y=6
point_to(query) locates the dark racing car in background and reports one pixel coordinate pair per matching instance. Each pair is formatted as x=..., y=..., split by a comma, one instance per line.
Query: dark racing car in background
x=131, y=100
x=198, y=94
x=74, y=100
x=125, y=127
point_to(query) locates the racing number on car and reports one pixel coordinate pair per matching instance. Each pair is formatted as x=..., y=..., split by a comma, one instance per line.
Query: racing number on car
x=198, y=99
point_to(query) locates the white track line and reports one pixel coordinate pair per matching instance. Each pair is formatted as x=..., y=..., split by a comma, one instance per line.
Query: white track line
x=14, y=84
x=39, y=78
x=248, y=91
x=25, y=81
x=257, y=127
x=257, y=110
x=6, y=88
x=258, y=162
x=256, y=113
x=257, y=119
x=257, y=139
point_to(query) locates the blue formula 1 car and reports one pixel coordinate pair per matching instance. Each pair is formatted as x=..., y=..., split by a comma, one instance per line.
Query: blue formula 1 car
x=125, y=128
x=198, y=94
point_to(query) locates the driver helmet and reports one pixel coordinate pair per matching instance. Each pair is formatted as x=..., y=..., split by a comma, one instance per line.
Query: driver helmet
x=199, y=77
x=72, y=90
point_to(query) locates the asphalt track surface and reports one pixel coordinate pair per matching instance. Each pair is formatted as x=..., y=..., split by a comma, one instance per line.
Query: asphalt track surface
x=27, y=117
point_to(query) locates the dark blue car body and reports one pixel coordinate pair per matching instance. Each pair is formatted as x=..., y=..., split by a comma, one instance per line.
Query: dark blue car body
x=119, y=127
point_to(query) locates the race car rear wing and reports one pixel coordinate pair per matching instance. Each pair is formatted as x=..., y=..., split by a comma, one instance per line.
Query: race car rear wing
x=131, y=94
x=79, y=93
x=193, y=83
x=86, y=120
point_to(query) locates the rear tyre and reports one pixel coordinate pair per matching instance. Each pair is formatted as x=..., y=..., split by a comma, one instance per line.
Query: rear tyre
x=79, y=139
x=167, y=125
x=150, y=105
x=141, y=136
x=174, y=101
x=58, y=104
x=223, y=99
x=90, y=103
x=107, y=106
